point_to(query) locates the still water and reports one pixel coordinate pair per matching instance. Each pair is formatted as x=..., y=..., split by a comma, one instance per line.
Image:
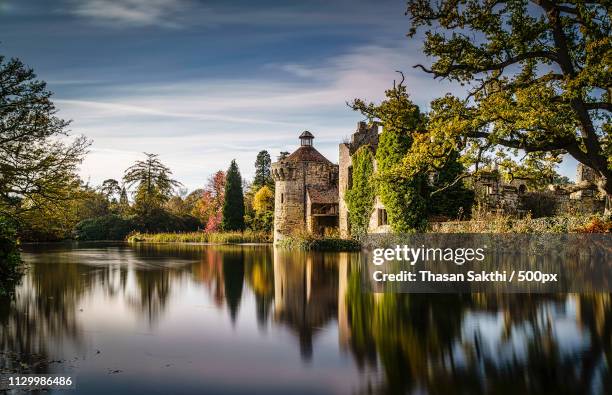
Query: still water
x=189, y=319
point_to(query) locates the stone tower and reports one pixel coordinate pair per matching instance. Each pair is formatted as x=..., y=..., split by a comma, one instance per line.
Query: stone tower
x=306, y=191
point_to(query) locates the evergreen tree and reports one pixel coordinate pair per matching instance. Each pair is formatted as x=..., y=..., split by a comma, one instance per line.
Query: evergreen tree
x=110, y=188
x=124, y=203
x=233, y=206
x=123, y=198
x=262, y=170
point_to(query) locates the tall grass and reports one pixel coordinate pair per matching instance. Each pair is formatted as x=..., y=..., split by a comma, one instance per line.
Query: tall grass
x=202, y=237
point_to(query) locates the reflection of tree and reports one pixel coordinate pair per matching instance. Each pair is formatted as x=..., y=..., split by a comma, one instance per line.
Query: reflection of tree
x=225, y=270
x=408, y=332
x=426, y=343
x=209, y=271
x=260, y=277
x=153, y=293
x=233, y=276
x=41, y=313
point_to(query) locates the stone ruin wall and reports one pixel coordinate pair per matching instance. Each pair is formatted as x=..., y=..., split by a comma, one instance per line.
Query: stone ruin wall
x=494, y=195
x=345, y=162
x=365, y=134
x=289, y=204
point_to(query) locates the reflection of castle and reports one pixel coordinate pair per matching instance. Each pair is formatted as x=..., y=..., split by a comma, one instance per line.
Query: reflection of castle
x=307, y=293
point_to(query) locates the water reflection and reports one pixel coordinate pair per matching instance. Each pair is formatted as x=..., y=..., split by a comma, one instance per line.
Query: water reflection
x=234, y=316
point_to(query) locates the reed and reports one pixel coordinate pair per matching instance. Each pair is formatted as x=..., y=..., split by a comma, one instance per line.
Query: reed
x=202, y=237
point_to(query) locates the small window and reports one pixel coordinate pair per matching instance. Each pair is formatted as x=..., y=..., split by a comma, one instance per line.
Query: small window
x=382, y=217
x=282, y=198
x=350, y=177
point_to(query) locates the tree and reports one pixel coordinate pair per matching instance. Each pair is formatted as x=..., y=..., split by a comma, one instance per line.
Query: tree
x=210, y=204
x=537, y=74
x=263, y=200
x=448, y=198
x=124, y=203
x=538, y=169
x=263, y=175
x=51, y=221
x=233, y=206
x=9, y=255
x=154, y=186
x=111, y=189
x=263, y=206
x=37, y=167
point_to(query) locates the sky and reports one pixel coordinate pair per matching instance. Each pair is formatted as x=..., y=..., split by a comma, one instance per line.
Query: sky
x=203, y=82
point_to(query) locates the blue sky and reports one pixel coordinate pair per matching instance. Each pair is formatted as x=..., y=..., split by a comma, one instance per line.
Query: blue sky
x=202, y=82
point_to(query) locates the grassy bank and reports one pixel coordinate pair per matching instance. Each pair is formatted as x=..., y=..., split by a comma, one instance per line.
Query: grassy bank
x=506, y=224
x=310, y=242
x=202, y=237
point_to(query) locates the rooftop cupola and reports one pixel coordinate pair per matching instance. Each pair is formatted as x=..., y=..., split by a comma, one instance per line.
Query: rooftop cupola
x=306, y=139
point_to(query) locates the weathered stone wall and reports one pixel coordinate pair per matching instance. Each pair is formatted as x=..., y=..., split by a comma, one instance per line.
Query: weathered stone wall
x=494, y=195
x=323, y=175
x=289, y=198
x=365, y=134
x=291, y=182
x=345, y=163
x=373, y=226
x=513, y=198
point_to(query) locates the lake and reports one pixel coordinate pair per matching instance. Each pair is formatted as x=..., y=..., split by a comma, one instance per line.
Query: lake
x=247, y=319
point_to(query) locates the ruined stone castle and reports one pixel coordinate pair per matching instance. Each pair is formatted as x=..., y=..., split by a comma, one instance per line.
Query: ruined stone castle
x=310, y=190
x=306, y=191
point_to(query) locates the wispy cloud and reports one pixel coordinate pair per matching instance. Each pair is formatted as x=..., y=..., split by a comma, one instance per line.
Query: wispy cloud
x=131, y=12
x=197, y=124
x=189, y=13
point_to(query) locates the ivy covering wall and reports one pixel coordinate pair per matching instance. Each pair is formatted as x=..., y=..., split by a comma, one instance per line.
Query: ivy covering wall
x=360, y=198
x=402, y=197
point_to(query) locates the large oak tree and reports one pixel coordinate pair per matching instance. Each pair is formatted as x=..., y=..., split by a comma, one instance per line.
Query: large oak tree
x=38, y=162
x=537, y=75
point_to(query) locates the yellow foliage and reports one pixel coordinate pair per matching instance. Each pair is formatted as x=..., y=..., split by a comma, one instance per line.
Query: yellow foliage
x=263, y=200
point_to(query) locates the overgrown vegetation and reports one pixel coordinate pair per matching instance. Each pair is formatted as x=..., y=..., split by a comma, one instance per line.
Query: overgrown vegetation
x=402, y=196
x=412, y=193
x=360, y=197
x=492, y=223
x=310, y=242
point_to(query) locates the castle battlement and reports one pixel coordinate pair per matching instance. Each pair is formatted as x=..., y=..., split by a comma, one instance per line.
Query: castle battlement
x=284, y=172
